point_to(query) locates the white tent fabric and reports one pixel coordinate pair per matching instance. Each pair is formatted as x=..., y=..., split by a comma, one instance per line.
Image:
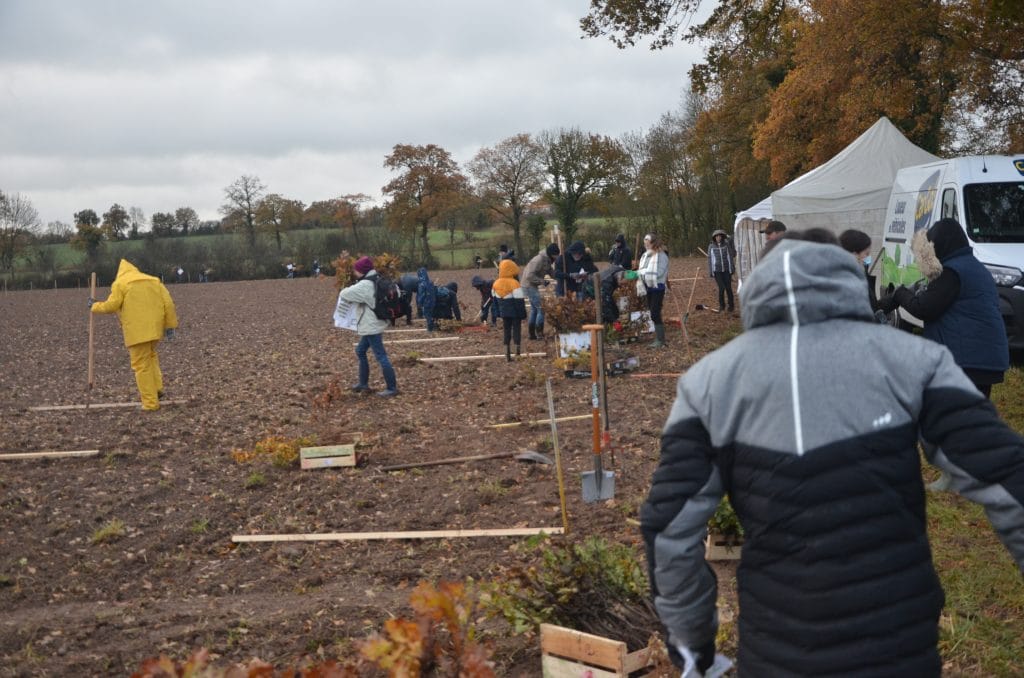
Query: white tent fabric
x=851, y=190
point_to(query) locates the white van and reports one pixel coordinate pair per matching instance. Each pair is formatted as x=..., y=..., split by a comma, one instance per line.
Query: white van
x=986, y=195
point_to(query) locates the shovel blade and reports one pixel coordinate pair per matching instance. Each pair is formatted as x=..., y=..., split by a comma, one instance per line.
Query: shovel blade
x=598, y=488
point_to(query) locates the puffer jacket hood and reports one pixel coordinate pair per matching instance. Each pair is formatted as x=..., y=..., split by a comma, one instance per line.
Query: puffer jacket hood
x=804, y=282
x=947, y=237
x=506, y=282
x=719, y=232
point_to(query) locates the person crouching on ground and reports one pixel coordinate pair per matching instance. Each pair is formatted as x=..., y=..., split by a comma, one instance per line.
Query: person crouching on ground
x=511, y=301
x=533, y=277
x=147, y=315
x=370, y=328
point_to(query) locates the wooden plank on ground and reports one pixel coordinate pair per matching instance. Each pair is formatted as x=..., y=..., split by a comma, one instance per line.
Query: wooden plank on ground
x=48, y=455
x=538, y=422
x=556, y=667
x=417, y=341
x=327, y=451
x=460, y=358
x=327, y=462
x=586, y=647
x=378, y=536
x=96, y=406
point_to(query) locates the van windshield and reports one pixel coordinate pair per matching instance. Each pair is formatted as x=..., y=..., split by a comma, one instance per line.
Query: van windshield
x=995, y=212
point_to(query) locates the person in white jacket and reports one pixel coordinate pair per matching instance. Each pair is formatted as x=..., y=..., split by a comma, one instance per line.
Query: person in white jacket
x=370, y=328
x=653, y=278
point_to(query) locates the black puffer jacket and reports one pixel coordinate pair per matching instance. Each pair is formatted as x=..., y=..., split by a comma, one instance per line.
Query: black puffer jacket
x=810, y=420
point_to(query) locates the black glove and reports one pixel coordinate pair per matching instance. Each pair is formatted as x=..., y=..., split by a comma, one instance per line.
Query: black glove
x=91, y=302
x=169, y=334
x=888, y=303
x=903, y=295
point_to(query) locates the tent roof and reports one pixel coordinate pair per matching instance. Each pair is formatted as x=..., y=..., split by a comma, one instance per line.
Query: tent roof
x=859, y=177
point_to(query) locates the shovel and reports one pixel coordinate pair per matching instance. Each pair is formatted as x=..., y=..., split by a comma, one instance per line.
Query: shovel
x=90, y=381
x=598, y=484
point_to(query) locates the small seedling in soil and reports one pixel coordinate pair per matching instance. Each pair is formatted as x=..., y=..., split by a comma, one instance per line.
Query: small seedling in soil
x=255, y=479
x=200, y=526
x=112, y=531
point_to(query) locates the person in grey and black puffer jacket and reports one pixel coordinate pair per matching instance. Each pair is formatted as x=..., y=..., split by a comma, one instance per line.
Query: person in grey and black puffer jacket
x=721, y=266
x=810, y=422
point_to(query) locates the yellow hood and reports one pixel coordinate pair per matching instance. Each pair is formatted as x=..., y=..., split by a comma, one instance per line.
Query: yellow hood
x=141, y=302
x=506, y=282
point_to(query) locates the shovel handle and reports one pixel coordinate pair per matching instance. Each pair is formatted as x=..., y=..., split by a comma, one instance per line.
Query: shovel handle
x=92, y=317
x=594, y=385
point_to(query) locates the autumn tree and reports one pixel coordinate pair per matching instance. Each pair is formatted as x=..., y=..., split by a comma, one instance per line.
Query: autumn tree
x=579, y=168
x=428, y=185
x=185, y=220
x=89, y=236
x=510, y=176
x=276, y=214
x=243, y=196
x=115, y=222
x=19, y=222
x=163, y=224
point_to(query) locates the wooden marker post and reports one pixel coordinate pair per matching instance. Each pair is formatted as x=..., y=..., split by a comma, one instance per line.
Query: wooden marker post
x=92, y=317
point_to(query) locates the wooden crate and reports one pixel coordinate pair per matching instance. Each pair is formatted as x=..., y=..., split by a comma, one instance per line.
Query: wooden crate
x=329, y=456
x=566, y=653
x=717, y=547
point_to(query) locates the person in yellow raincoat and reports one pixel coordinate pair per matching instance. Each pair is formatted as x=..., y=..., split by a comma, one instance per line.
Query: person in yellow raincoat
x=147, y=315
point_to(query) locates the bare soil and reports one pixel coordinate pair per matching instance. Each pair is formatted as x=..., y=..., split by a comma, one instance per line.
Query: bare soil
x=253, y=359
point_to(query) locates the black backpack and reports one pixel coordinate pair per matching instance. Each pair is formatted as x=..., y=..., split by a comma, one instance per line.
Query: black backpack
x=387, y=298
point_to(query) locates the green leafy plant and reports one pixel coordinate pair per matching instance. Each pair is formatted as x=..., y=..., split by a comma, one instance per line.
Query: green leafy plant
x=594, y=586
x=725, y=521
x=255, y=479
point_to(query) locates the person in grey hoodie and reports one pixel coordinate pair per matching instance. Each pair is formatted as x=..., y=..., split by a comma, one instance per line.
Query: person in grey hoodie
x=370, y=328
x=810, y=422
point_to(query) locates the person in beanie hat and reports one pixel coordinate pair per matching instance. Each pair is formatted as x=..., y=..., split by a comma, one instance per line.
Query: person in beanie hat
x=572, y=269
x=532, y=278
x=773, y=231
x=721, y=265
x=620, y=254
x=511, y=301
x=370, y=328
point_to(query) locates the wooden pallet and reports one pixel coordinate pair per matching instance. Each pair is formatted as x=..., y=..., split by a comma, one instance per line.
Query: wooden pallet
x=566, y=653
x=330, y=456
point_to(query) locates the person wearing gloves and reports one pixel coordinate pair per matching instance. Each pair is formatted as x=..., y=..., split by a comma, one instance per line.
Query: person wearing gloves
x=611, y=278
x=532, y=278
x=511, y=302
x=721, y=266
x=572, y=270
x=653, y=273
x=820, y=461
x=620, y=254
x=147, y=315
x=487, y=305
x=959, y=306
x=370, y=328
x=446, y=302
x=425, y=297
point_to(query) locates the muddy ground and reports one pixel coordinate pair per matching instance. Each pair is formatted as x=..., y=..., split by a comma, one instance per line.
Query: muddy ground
x=253, y=359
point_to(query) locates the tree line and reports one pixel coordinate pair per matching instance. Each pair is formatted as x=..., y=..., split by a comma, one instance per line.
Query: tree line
x=785, y=84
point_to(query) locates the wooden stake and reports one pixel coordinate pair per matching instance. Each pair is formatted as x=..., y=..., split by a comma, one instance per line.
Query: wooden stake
x=537, y=422
x=449, y=460
x=378, y=536
x=92, y=317
x=48, y=455
x=51, y=408
x=460, y=358
x=558, y=456
x=654, y=375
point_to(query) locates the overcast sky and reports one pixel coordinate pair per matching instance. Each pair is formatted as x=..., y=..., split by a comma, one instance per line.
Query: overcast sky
x=161, y=104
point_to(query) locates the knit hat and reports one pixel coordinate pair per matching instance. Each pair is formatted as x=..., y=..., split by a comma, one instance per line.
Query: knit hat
x=620, y=238
x=363, y=265
x=854, y=241
x=774, y=226
x=552, y=250
x=577, y=248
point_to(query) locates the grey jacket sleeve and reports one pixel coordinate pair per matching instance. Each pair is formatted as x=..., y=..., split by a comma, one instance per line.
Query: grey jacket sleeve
x=685, y=492
x=965, y=437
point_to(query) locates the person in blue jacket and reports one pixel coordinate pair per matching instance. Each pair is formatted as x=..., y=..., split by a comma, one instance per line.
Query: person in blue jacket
x=425, y=296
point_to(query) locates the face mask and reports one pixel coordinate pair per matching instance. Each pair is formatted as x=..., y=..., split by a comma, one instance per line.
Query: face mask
x=867, y=260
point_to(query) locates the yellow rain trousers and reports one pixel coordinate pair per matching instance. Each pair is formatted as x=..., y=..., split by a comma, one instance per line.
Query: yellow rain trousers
x=145, y=310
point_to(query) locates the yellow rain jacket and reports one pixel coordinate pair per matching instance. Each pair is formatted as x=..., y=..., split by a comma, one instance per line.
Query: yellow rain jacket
x=142, y=303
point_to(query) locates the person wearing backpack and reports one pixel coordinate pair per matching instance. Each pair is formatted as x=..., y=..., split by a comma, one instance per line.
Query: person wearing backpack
x=511, y=301
x=370, y=328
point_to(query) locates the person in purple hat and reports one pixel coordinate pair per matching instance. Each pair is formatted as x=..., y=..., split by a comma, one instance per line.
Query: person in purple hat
x=370, y=328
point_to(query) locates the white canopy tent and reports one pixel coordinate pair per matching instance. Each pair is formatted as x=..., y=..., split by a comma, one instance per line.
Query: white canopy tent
x=851, y=190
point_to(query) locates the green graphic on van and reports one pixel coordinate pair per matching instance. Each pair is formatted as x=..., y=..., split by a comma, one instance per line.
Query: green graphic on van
x=926, y=201
x=893, y=273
